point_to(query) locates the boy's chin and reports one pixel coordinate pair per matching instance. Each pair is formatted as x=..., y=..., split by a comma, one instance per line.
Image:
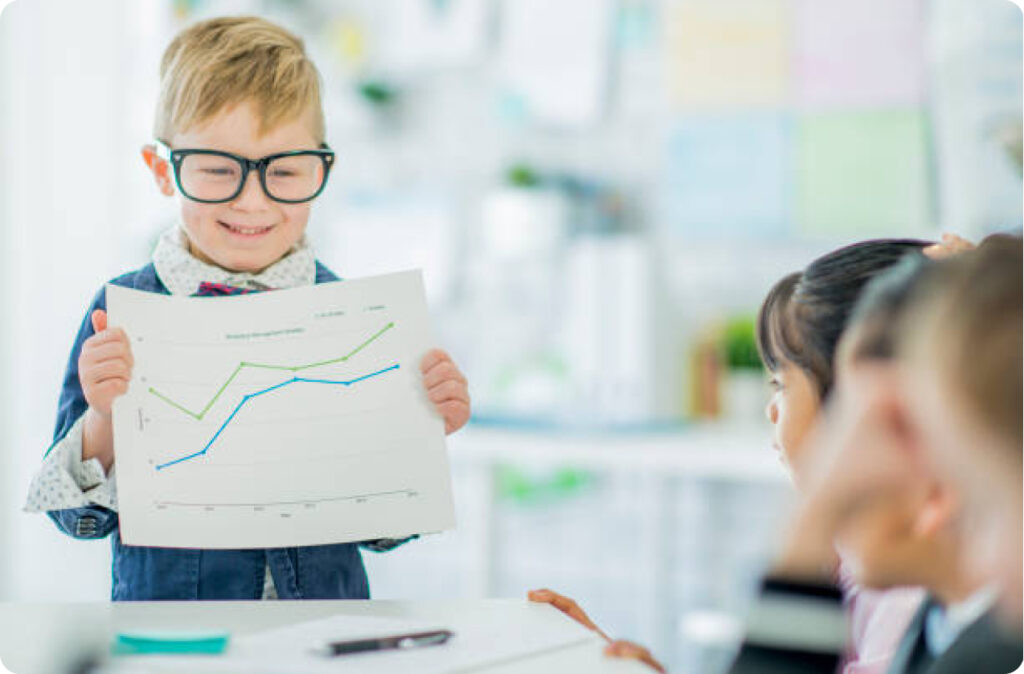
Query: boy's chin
x=240, y=261
x=248, y=264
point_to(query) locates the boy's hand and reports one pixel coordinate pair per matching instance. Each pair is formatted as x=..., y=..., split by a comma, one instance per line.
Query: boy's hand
x=950, y=245
x=864, y=450
x=566, y=606
x=447, y=388
x=615, y=649
x=105, y=365
x=631, y=651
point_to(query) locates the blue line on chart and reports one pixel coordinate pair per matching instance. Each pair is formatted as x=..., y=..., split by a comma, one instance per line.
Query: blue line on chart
x=247, y=398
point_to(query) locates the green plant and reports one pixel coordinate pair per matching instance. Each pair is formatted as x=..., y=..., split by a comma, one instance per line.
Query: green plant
x=379, y=94
x=521, y=175
x=739, y=344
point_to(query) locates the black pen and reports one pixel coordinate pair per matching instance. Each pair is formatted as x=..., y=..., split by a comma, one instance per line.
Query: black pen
x=399, y=641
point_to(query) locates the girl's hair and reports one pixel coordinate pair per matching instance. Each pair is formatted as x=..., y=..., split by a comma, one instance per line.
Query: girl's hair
x=966, y=320
x=878, y=315
x=805, y=313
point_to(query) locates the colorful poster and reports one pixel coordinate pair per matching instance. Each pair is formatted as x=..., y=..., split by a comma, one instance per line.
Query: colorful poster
x=728, y=53
x=863, y=173
x=730, y=174
x=866, y=53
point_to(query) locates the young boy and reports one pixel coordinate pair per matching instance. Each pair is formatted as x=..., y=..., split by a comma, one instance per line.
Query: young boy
x=240, y=137
x=963, y=376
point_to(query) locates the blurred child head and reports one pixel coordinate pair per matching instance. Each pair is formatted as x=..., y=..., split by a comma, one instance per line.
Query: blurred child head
x=798, y=329
x=245, y=86
x=962, y=345
x=908, y=536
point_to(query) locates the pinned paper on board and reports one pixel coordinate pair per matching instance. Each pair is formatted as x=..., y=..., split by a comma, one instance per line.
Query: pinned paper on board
x=728, y=53
x=976, y=98
x=554, y=59
x=863, y=53
x=863, y=173
x=730, y=175
x=374, y=219
x=434, y=34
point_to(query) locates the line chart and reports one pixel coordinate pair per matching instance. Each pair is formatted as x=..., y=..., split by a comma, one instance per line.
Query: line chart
x=276, y=420
x=250, y=396
x=198, y=416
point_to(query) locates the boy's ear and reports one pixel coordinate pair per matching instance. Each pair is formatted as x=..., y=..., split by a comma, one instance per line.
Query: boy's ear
x=161, y=170
x=938, y=511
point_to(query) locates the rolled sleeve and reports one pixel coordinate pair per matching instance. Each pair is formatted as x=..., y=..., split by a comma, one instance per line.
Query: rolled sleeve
x=65, y=481
x=79, y=497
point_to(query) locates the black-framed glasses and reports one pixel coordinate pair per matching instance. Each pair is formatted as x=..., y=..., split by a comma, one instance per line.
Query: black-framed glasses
x=214, y=177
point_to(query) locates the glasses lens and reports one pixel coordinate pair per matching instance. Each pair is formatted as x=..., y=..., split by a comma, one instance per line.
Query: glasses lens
x=209, y=177
x=296, y=177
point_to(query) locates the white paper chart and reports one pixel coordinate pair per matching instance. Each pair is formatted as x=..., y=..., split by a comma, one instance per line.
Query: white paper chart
x=292, y=417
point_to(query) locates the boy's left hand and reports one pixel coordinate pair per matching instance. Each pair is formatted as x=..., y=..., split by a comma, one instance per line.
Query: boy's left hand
x=447, y=388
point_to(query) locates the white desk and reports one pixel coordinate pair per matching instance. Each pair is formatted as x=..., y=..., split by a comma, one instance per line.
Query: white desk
x=29, y=632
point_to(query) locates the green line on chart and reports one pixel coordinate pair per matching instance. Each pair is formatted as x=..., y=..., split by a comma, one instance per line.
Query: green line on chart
x=290, y=368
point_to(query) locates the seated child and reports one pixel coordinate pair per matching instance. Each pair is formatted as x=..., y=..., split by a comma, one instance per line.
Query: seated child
x=240, y=137
x=799, y=329
x=799, y=326
x=962, y=351
x=900, y=445
x=913, y=533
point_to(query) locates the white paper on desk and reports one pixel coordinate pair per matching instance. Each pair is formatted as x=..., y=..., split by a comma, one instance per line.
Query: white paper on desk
x=285, y=418
x=485, y=637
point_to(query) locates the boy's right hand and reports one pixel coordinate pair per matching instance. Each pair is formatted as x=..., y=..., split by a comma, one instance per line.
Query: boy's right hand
x=627, y=650
x=105, y=365
x=616, y=649
x=567, y=606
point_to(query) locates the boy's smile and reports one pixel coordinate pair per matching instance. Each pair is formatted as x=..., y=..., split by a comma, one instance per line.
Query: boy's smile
x=251, y=232
x=246, y=232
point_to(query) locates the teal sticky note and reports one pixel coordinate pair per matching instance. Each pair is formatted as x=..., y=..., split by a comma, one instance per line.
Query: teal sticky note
x=166, y=643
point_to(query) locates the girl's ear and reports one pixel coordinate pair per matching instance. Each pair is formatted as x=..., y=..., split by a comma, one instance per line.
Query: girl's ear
x=160, y=169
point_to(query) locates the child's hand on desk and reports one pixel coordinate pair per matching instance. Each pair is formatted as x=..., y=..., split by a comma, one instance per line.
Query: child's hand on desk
x=447, y=388
x=566, y=606
x=104, y=370
x=616, y=649
x=630, y=651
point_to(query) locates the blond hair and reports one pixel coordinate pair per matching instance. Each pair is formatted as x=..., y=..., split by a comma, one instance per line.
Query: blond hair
x=222, y=62
x=968, y=316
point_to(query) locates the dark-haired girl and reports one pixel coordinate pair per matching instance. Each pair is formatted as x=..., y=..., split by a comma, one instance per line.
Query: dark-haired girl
x=798, y=331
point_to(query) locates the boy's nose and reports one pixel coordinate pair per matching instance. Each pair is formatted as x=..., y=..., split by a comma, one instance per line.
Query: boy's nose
x=772, y=412
x=252, y=197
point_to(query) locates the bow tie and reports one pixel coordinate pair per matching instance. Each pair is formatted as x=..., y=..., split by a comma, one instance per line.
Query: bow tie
x=219, y=289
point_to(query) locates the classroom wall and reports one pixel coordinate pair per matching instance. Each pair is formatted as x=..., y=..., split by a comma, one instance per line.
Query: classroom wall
x=71, y=201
